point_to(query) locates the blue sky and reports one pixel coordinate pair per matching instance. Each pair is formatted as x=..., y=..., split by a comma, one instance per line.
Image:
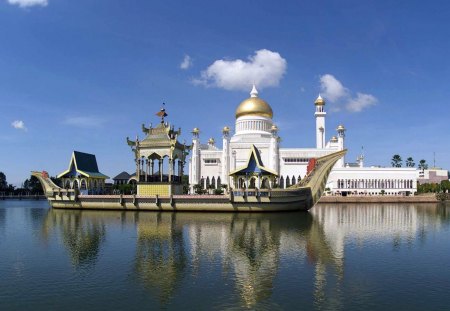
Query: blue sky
x=84, y=75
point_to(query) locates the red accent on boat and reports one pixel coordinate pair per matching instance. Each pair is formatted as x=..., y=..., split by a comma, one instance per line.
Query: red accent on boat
x=311, y=165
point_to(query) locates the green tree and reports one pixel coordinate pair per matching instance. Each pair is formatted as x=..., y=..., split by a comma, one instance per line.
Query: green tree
x=445, y=185
x=423, y=164
x=396, y=161
x=3, y=183
x=33, y=185
x=410, y=162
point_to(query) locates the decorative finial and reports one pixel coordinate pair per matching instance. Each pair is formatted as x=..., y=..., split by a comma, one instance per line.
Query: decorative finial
x=254, y=91
x=162, y=113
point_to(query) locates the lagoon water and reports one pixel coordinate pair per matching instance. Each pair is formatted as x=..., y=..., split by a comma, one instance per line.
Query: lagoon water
x=336, y=257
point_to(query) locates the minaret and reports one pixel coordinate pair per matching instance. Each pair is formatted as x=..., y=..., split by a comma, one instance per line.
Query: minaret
x=360, y=158
x=341, y=135
x=225, y=155
x=195, y=160
x=274, y=149
x=320, y=122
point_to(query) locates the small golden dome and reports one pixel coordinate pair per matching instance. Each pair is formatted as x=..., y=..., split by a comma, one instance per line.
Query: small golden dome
x=211, y=141
x=334, y=139
x=225, y=129
x=319, y=101
x=196, y=130
x=340, y=128
x=254, y=106
x=274, y=128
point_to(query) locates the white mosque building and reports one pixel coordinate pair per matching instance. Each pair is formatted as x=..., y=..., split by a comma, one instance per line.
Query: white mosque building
x=210, y=166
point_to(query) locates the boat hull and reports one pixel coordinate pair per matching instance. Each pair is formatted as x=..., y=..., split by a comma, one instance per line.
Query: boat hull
x=298, y=201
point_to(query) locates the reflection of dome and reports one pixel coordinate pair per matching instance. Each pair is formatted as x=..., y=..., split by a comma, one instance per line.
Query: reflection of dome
x=254, y=106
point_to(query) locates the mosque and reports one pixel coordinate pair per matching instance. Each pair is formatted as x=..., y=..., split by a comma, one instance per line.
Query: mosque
x=256, y=134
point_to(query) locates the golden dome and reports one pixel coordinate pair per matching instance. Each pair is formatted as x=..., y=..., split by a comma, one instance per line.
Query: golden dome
x=319, y=101
x=274, y=128
x=340, y=128
x=254, y=106
x=196, y=130
x=334, y=139
x=225, y=129
x=211, y=141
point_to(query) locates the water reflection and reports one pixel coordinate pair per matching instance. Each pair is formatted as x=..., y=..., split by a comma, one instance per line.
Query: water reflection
x=160, y=253
x=81, y=234
x=2, y=219
x=173, y=251
x=37, y=216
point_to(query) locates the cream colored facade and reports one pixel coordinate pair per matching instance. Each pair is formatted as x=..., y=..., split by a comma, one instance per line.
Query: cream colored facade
x=210, y=165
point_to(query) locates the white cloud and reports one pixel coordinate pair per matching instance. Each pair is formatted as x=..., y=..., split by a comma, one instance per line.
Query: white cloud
x=84, y=122
x=335, y=92
x=332, y=88
x=28, y=3
x=265, y=69
x=186, y=63
x=19, y=125
x=361, y=102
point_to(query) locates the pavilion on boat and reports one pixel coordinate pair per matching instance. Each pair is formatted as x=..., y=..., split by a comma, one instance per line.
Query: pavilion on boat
x=254, y=174
x=83, y=174
x=159, y=158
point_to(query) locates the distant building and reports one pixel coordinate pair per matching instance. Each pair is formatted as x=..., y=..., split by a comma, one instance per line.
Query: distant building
x=122, y=178
x=372, y=181
x=433, y=175
x=83, y=174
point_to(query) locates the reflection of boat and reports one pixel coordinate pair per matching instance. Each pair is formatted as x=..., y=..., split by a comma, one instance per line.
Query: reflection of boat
x=301, y=196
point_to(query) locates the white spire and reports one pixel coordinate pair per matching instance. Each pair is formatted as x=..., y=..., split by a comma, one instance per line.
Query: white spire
x=319, y=97
x=254, y=92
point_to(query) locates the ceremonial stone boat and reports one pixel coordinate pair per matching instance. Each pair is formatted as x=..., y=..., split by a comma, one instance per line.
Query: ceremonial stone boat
x=299, y=197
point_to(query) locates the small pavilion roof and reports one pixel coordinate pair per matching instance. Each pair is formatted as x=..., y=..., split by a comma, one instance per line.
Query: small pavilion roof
x=122, y=176
x=254, y=164
x=84, y=164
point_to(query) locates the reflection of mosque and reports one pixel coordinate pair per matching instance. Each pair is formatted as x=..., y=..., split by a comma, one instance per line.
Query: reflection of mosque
x=250, y=247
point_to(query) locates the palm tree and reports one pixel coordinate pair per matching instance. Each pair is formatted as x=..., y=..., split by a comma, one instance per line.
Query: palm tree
x=423, y=164
x=410, y=162
x=396, y=161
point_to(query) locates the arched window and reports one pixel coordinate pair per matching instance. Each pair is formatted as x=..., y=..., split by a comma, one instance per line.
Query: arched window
x=241, y=183
x=207, y=182
x=75, y=184
x=299, y=179
x=83, y=184
x=202, y=183
x=265, y=183
x=288, y=182
x=219, y=183
x=293, y=180
x=67, y=185
x=213, y=183
x=281, y=182
x=252, y=183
